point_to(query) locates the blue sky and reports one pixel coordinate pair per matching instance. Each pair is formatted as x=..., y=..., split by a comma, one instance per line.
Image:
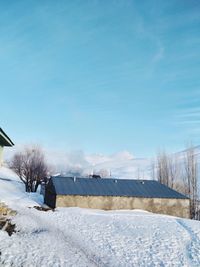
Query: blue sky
x=101, y=76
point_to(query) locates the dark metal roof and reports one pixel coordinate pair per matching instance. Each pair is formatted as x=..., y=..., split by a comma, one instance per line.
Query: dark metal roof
x=110, y=187
x=4, y=139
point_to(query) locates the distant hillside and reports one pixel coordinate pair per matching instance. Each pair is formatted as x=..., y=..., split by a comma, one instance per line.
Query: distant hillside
x=120, y=165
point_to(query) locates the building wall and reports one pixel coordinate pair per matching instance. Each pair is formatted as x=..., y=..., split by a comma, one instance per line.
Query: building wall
x=175, y=207
x=1, y=155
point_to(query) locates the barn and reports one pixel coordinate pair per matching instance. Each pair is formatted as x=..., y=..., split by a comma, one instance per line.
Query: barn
x=115, y=194
x=4, y=141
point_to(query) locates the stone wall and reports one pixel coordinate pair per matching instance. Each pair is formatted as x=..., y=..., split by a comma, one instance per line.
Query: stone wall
x=175, y=207
x=5, y=210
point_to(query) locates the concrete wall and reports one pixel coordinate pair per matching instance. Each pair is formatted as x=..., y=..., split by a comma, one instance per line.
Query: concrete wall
x=175, y=207
x=1, y=155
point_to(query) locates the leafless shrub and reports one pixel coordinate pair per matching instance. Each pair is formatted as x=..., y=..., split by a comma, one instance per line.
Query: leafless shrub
x=30, y=166
x=191, y=179
x=180, y=173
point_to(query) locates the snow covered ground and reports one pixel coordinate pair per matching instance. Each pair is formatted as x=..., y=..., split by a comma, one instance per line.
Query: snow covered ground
x=81, y=237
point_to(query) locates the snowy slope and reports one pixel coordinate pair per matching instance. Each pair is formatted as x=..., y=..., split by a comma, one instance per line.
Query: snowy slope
x=81, y=237
x=120, y=165
x=123, y=164
x=12, y=190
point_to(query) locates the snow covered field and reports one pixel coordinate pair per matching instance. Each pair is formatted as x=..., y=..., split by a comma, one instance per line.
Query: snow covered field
x=80, y=237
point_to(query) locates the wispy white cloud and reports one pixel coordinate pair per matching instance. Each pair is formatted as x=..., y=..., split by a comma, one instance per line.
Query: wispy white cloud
x=189, y=120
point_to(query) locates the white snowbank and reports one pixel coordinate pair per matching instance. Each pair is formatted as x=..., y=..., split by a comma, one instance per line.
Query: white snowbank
x=12, y=191
x=6, y=173
x=79, y=237
x=82, y=237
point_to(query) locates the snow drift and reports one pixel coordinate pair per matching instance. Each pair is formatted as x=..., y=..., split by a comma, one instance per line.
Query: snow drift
x=81, y=237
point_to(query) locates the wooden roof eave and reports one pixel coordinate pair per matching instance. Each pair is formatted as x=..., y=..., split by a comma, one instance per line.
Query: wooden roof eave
x=6, y=141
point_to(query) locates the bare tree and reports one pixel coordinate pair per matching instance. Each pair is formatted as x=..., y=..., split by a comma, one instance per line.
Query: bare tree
x=31, y=167
x=174, y=171
x=153, y=169
x=191, y=178
x=138, y=173
x=181, y=174
x=168, y=169
x=163, y=168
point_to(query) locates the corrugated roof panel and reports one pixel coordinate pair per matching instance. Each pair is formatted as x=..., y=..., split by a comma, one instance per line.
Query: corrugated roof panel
x=112, y=187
